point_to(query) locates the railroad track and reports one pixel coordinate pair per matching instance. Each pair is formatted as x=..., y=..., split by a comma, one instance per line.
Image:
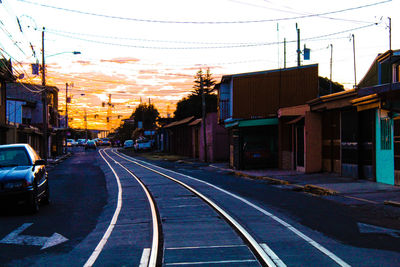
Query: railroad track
x=190, y=227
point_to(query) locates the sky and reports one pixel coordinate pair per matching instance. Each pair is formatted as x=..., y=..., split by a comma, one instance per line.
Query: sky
x=151, y=50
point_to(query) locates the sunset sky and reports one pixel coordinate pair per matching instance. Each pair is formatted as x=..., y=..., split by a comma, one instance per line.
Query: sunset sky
x=152, y=49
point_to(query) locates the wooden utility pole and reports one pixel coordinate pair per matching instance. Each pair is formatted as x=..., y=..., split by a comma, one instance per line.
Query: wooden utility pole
x=203, y=109
x=354, y=59
x=330, y=75
x=298, y=46
x=44, y=102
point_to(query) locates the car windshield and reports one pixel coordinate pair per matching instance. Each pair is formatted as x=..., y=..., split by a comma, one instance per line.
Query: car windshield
x=14, y=156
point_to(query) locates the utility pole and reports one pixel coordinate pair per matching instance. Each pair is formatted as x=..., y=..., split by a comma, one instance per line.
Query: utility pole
x=203, y=105
x=330, y=76
x=284, y=53
x=354, y=59
x=298, y=46
x=66, y=105
x=44, y=102
x=390, y=33
x=86, y=135
x=277, y=30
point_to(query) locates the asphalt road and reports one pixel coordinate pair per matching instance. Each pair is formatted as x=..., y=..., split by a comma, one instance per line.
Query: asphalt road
x=78, y=195
x=84, y=199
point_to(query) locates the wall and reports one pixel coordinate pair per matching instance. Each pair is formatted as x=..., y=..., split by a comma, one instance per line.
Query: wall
x=313, y=144
x=384, y=157
x=262, y=94
x=217, y=140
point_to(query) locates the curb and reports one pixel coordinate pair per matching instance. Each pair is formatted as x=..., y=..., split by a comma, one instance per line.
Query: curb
x=392, y=203
x=275, y=180
x=318, y=190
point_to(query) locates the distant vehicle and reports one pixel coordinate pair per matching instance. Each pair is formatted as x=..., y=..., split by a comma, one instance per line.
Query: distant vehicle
x=128, y=143
x=90, y=144
x=81, y=142
x=23, y=177
x=98, y=141
x=71, y=142
x=142, y=144
x=105, y=142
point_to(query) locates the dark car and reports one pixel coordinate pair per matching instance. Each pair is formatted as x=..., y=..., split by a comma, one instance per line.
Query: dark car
x=90, y=144
x=23, y=177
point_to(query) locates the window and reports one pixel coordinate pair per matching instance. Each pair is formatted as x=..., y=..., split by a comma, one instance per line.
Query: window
x=386, y=134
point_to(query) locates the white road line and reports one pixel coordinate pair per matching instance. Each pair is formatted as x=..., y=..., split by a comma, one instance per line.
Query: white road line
x=114, y=219
x=273, y=256
x=202, y=247
x=144, y=260
x=238, y=226
x=154, y=245
x=208, y=262
x=287, y=225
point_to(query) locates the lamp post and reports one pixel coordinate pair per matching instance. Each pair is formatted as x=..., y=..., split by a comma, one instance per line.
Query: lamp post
x=44, y=97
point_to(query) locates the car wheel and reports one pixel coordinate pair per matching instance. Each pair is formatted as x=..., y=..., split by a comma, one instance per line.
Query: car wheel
x=33, y=204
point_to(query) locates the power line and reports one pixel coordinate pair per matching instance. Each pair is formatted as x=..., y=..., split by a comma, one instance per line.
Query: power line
x=202, y=22
x=244, y=45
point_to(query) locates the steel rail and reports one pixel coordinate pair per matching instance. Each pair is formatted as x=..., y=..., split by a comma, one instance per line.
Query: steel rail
x=254, y=246
x=154, y=252
x=288, y=226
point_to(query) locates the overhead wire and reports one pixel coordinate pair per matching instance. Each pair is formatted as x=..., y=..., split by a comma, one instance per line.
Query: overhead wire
x=244, y=45
x=202, y=22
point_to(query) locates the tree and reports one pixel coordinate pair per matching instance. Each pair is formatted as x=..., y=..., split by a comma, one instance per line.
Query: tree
x=208, y=82
x=147, y=114
x=192, y=105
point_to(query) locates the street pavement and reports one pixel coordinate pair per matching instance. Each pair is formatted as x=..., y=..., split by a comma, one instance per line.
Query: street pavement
x=345, y=189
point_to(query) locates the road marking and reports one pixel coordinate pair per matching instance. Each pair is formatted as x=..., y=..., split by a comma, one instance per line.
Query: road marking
x=209, y=262
x=202, y=247
x=114, y=219
x=372, y=229
x=287, y=225
x=15, y=238
x=144, y=260
x=273, y=256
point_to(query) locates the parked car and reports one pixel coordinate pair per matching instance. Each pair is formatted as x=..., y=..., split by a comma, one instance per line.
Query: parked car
x=81, y=142
x=71, y=142
x=98, y=141
x=23, y=177
x=105, y=142
x=128, y=143
x=142, y=144
x=90, y=144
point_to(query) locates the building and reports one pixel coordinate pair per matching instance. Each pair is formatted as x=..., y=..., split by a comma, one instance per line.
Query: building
x=248, y=107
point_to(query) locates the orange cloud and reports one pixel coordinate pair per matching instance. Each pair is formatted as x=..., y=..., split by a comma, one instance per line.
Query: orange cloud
x=121, y=60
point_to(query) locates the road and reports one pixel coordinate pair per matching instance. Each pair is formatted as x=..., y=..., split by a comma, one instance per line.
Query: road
x=114, y=210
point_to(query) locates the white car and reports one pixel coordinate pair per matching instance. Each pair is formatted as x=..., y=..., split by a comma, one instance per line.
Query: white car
x=128, y=143
x=142, y=144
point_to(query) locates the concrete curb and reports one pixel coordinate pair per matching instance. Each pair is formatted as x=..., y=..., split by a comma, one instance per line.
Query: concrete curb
x=275, y=180
x=318, y=190
x=58, y=160
x=392, y=203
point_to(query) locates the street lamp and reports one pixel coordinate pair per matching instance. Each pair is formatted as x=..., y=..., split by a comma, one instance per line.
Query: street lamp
x=44, y=97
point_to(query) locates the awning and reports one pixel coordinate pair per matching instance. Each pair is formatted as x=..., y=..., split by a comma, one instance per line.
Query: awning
x=299, y=118
x=255, y=122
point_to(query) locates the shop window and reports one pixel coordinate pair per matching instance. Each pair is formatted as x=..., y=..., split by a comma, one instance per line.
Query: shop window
x=386, y=134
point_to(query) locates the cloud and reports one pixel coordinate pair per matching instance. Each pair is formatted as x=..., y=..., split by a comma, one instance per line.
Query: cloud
x=121, y=60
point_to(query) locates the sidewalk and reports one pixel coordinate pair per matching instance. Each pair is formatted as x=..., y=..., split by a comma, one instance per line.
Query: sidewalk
x=346, y=190
x=56, y=160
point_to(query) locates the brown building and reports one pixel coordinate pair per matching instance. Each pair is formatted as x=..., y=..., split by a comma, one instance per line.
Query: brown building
x=248, y=107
